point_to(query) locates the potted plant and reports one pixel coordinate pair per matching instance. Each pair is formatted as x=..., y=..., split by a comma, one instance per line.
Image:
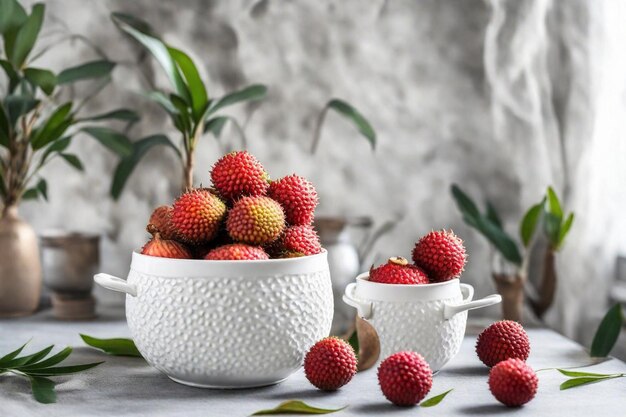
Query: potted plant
x=37, y=125
x=192, y=112
x=509, y=260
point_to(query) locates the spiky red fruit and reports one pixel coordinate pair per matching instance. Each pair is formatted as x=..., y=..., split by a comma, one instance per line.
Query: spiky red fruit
x=297, y=196
x=330, y=364
x=441, y=254
x=405, y=378
x=236, y=252
x=501, y=341
x=239, y=174
x=161, y=218
x=197, y=216
x=398, y=271
x=513, y=382
x=299, y=240
x=163, y=248
x=256, y=220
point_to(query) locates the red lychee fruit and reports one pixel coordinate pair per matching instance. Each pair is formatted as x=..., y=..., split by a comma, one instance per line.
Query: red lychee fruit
x=405, y=378
x=256, y=220
x=197, y=216
x=163, y=248
x=441, y=254
x=330, y=364
x=239, y=174
x=502, y=340
x=299, y=241
x=513, y=382
x=398, y=271
x=236, y=252
x=297, y=196
x=161, y=218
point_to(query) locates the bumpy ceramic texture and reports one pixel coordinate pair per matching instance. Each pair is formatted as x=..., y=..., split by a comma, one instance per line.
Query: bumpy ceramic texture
x=419, y=326
x=230, y=332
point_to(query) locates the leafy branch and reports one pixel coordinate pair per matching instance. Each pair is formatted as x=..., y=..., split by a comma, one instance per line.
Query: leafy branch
x=37, y=367
x=583, y=378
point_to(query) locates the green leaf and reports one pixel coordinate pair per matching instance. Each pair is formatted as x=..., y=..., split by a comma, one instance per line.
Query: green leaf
x=117, y=346
x=38, y=355
x=119, y=114
x=43, y=389
x=492, y=215
x=14, y=78
x=6, y=12
x=608, y=332
x=565, y=229
x=500, y=239
x=18, y=362
x=552, y=228
x=581, y=374
x=51, y=361
x=127, y=165
x=352, y=114
x=18, y=106
x=433, y=401
x=42, y=188
x=529, y=223
x=115, y=141
x=183, y=120
x=354, y=342
x=215, y=125
x=63, y=370
x=4, y=128
x=13, y=25
x=250, y=93
x=72, y=160
x=89, y=70
x=464, y=202
x=143, y=34
x=30, y=194
x=57, y=146
x=576, y=382
x=161, y=99
x=42, y=78
x=27, y=36
x=296, y=407
x=199, y=98
x=53, y=128
x=9, y=356
x=554, y=206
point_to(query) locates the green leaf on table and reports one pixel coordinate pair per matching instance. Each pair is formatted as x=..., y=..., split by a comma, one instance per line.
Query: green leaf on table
x=608, y=332
x=43, y=389
x=296, y=407
x=27, y=36
x=349, y=112
x=576, y=382
x=89, y=70
x=250, y=93
x=72, y=160
x=576, y=374
x=529, y=222
x=493, y=216
x=42, y=78
x=199, y=97
x=127, y=165
x=119, y=114
x=142, y=33
x=111, y=139
x=116, y=346
x=62, y=370
x=433, y=401
x=51, y=361
x=465, y=204
x=9, y=356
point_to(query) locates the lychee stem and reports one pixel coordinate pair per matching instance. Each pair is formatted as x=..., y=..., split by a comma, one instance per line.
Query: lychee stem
x=398, y=260
x=152, y=229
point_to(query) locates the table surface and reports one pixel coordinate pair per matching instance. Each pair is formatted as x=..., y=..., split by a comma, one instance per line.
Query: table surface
x=129, y=387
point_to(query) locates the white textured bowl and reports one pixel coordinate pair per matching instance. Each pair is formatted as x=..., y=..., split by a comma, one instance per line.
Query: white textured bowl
x=428, y=319
x=226, y=324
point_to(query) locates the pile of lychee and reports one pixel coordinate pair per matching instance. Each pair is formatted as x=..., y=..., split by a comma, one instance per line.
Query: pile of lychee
x=405, y=378
x=243, y=216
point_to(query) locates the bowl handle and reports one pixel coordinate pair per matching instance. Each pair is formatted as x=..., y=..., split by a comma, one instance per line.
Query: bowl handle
x=116, y=284
x=450, y=309
x=363, y=308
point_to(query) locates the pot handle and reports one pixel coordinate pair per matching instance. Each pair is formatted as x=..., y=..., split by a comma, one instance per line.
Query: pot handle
x=363, y=308
x=450, y=310
x=116, y=284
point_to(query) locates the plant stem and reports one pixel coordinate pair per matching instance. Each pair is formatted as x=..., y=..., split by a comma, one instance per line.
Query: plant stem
x=318, y=129
x=547, y=288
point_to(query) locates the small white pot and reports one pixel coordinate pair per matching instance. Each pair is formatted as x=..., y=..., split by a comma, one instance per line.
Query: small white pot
x=428, y=319
x=226, y=324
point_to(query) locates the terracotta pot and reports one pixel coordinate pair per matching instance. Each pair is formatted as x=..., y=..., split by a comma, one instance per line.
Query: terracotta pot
x=20, y=266
x=510, y=280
